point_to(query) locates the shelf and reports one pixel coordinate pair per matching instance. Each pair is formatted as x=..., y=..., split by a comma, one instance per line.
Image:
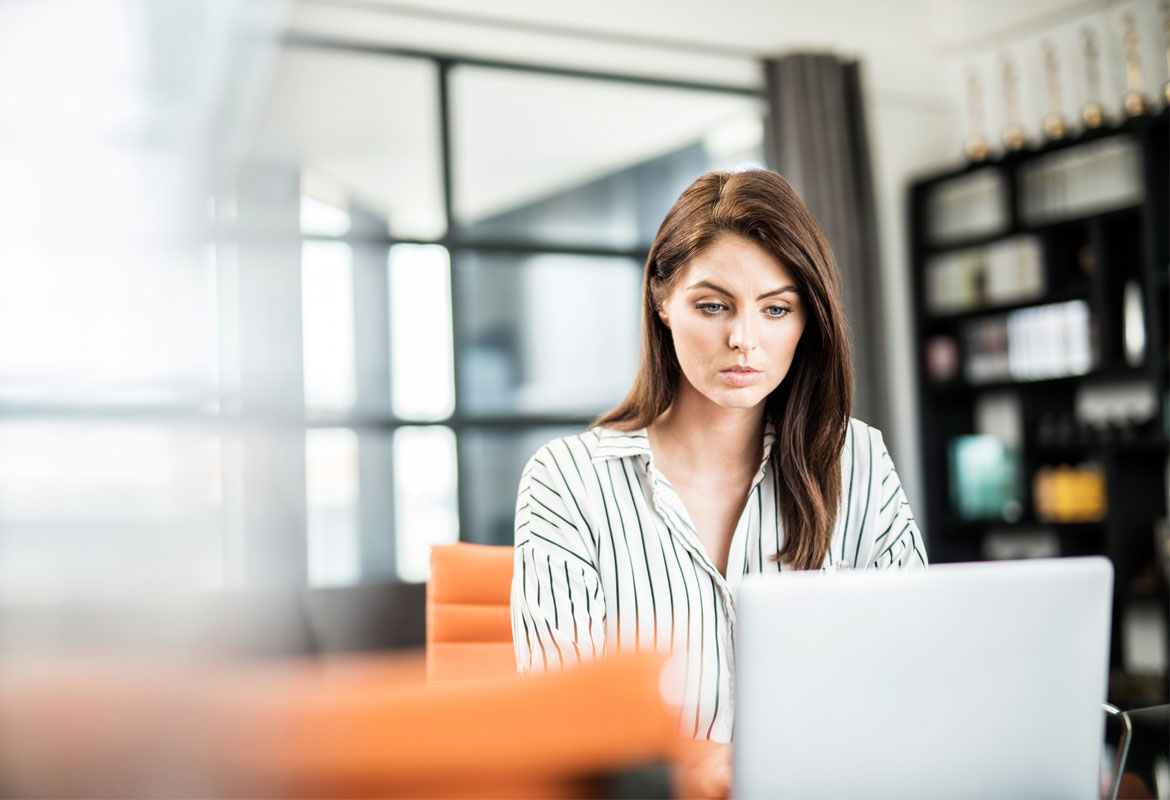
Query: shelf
x=970, y=242
x=948, y=318
x=1122, y=447
x=977, y=527
x=964, y=389
x=1041, y=228
x=1023, y=228
x=1156, y=595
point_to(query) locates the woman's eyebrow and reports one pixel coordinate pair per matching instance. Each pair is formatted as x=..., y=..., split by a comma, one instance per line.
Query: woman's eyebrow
x=781, y=290
x=721, y=290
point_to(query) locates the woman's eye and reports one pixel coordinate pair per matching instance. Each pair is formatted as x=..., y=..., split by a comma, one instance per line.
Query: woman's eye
x=778, y=311
x=711, y=308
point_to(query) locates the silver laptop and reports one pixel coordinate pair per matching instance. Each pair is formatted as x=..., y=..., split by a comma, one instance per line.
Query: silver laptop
x=966, y=680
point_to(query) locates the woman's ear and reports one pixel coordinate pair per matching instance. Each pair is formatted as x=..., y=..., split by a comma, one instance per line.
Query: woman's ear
x=662, y=315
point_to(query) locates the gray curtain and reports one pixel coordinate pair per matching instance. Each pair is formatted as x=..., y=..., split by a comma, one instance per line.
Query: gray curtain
x=816, y=139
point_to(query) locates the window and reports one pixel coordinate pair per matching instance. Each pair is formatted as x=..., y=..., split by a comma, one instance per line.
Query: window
x=422, y=270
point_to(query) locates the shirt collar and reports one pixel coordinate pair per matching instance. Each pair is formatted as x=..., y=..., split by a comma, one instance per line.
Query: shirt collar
x=622, y=444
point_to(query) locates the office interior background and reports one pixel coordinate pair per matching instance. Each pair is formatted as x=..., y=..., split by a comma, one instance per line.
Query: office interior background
x=290, y=291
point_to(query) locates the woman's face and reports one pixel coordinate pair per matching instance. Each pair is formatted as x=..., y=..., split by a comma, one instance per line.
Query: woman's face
x=735, y=317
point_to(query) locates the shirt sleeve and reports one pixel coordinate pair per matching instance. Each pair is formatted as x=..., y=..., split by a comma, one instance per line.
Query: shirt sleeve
x=899, y=544
x=558, y=612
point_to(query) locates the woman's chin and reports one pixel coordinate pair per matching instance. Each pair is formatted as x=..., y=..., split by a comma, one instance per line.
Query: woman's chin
x=747, y=397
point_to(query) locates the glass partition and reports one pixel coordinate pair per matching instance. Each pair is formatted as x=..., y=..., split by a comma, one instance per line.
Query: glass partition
x=573, y=160
x=364, y=131
x=493, y=460
x=546, y=333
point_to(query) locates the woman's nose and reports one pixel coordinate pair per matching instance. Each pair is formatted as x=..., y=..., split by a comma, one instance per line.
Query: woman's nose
x=743, y=333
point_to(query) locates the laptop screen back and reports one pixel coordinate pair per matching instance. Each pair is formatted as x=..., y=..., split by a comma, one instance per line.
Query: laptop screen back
x=967, y=680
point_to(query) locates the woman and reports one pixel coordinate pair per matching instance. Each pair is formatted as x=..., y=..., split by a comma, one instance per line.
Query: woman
x=734, y=453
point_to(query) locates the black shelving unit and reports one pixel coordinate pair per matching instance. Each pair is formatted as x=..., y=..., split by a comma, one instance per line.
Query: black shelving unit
x=1128, y=242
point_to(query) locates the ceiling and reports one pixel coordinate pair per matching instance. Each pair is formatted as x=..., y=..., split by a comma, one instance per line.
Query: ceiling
x=380, y=145
x=902, y=41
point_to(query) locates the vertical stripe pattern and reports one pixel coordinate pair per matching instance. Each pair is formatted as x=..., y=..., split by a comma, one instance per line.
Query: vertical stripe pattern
x=607, y=558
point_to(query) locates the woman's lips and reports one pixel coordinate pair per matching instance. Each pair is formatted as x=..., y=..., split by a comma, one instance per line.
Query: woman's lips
x=737, y=377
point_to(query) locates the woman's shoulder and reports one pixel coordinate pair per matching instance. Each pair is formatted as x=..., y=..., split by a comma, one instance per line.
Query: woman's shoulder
x=594, y=444
x=571, y=454
x=555, y=496
x=864, y=452
x=862, y=434
x=576, y=447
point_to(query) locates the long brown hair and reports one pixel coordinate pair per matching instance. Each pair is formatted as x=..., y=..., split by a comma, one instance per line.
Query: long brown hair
x=810, y=408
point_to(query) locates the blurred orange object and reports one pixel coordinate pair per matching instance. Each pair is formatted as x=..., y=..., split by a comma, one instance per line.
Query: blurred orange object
x=469, y=619
x=702, y=770
x=547, y=735
x=128, y=728
x=356, y=726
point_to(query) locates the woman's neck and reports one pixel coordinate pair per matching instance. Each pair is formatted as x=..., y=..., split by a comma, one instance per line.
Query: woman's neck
x=700, y=437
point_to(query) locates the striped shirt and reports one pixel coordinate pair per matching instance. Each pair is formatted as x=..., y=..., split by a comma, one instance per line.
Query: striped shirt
x=607, y=558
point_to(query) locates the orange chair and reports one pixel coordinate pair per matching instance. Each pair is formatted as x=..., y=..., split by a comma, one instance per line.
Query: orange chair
x=469, y=621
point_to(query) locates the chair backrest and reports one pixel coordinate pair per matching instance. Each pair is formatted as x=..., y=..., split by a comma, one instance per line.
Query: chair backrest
x=469, y=622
